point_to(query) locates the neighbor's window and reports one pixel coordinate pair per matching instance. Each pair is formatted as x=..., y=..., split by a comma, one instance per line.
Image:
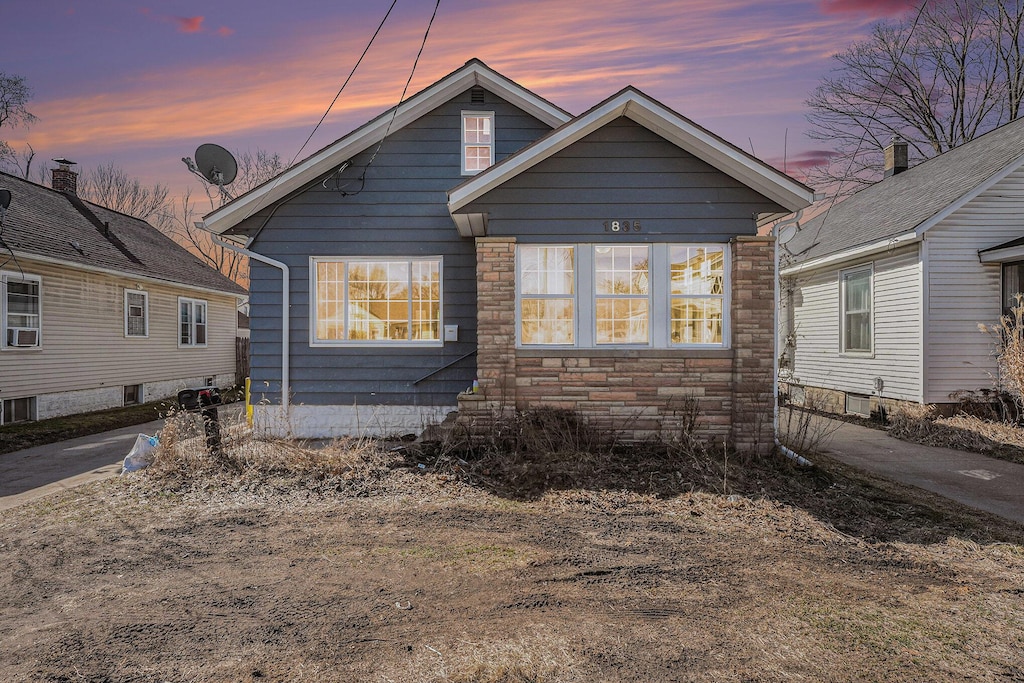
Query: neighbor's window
x=191, y=322
x=477, y=141
x=136, y=313
x=592, y=295
x=698, y=294
x=855, y=286
x=18, y=410
x=21, y=310
x=1013, y=284
x=376, y=300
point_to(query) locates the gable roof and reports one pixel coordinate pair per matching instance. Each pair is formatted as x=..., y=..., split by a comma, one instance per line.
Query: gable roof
x=48, y=225
x=473, y=73
x=654, y=116
x=907, y=204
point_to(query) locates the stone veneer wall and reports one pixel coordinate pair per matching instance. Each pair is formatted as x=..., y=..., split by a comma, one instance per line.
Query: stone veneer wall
x=639, y=392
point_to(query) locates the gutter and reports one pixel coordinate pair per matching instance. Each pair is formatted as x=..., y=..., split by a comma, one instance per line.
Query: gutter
x=285, y=323
x=789, y=453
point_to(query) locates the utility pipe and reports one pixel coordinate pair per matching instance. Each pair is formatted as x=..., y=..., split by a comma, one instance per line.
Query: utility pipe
x=789, y=453
x=285, y=324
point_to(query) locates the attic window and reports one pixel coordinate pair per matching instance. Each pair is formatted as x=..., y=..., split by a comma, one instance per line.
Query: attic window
x=477, y=141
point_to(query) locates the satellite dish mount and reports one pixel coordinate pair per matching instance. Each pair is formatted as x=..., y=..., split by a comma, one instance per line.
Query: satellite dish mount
x=216, y=166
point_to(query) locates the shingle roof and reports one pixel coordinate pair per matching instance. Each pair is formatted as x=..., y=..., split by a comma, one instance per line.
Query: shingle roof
x=50, y=224
x=903, y=202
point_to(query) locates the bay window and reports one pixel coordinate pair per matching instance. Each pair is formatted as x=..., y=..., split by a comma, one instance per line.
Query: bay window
x=635, y=295
x=375, y=300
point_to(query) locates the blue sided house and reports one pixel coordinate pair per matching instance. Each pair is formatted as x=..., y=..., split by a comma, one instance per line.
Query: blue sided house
x=607, y=263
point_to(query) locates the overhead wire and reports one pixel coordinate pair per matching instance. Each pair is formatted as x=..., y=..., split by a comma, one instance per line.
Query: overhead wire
x=257, y=206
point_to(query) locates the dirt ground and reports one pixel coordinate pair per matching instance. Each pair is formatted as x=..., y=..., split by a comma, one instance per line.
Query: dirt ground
x=400, y=573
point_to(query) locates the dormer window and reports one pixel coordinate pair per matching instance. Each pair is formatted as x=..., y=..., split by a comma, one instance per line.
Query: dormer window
x=477, y=141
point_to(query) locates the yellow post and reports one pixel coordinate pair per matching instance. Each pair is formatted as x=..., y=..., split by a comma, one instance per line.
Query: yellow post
x=248, y=404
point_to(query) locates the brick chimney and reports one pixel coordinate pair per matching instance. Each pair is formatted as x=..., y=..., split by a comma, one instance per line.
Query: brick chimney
x=896, y=157
x=64, y=179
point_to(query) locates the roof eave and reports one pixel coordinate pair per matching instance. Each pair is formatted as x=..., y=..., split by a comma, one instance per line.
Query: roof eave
x=654, y=116
x=853, y=253
x=324, y=161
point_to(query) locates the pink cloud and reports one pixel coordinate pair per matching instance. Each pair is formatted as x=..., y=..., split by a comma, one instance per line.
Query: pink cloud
x=225, y=31
x=875, y=8
x=189, y=24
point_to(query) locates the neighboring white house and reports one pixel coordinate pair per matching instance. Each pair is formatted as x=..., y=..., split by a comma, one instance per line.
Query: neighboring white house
x=882, y=296
x=100, y=310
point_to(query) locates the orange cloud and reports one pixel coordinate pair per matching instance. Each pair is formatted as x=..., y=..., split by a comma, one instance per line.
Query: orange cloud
x=189, y=24
x=225, y=31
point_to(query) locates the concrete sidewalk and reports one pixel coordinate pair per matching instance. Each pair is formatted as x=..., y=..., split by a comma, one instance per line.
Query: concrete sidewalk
x=981, y=482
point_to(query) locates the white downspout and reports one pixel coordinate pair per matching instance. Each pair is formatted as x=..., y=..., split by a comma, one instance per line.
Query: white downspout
x=789, y=453
x=285, y=324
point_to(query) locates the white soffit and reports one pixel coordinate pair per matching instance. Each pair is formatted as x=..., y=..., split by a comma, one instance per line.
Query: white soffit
x=659, y=119
x=327, y=159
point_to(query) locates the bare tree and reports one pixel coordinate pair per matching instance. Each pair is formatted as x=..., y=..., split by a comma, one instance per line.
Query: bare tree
x=112, y=187
x=14, y=94
x=946, y=73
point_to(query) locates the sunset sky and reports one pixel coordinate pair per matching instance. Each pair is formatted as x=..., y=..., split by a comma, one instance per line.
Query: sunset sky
x=143, y=84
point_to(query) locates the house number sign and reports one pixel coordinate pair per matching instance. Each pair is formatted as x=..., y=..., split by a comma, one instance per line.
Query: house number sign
x=621, y=226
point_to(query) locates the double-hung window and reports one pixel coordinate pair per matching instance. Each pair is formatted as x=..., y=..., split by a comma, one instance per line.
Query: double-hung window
x=855, y=298
x=191, y=322
x=636, y=295
x=21, y=310
x=477, y=141
x=376, y=300
x=136, y=313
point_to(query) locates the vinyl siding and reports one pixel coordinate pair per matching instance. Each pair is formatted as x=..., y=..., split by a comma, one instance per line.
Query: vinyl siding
x=963, y=292
x=622, y=171
x=83, y=342
x=896, y=295
x=400, y=211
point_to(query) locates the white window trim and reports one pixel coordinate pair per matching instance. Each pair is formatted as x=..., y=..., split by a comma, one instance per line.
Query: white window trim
x=5, y=276
x=869, y=268
x=462, y=137
x=381, y=343
x=192, y=331
x=660, y=298
x=145, y=314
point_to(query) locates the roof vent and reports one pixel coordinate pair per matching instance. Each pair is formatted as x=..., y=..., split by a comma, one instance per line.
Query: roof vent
x=476, y=96
x=896, y=157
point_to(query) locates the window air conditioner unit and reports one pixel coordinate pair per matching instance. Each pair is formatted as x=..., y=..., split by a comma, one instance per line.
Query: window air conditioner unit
x=22, y=336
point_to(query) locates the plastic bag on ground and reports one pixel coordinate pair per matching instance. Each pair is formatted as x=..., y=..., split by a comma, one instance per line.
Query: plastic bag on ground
x=141, y=454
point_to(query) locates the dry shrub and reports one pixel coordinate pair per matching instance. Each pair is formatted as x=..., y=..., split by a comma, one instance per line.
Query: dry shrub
x=183, y=456
x=1009, y=338
x=806, y=430
x=923, y=425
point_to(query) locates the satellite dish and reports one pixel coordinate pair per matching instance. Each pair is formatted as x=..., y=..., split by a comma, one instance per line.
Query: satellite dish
x=787, y=233
x=5, y=199
x=216, y=164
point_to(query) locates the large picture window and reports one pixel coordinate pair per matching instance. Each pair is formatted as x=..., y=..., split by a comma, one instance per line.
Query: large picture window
x=191, y=322
x=855, y=294
x=646, y=295
x=21, y=310
x=376, y=300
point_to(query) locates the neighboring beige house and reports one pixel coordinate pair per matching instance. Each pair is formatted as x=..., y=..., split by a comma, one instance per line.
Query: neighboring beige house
x=100, y=310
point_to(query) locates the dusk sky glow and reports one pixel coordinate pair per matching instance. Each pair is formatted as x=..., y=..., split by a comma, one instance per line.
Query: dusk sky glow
x=142, y=85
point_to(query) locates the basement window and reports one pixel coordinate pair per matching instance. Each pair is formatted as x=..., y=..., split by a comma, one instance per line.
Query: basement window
x=18, y=410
